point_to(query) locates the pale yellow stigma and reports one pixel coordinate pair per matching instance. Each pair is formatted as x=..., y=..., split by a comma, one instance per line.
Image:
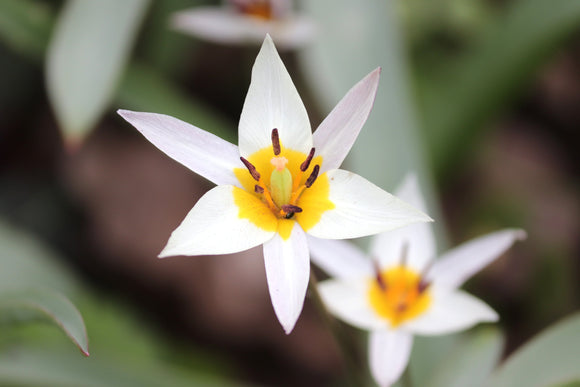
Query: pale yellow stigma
x=279, y=162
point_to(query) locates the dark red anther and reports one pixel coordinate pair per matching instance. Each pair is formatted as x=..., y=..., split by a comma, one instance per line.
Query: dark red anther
x=289, y=208
x=426, y=269
x=276, y=142
x=402, y=307
x=379, y=277
x=255, y=174
x=258, y=189
x=423, y=285
x=304, y=166
x=312, y=178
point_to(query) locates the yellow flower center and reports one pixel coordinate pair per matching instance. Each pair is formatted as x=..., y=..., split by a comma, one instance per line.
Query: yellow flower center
x=285, y=187
x=260, y=9
x=399, y=294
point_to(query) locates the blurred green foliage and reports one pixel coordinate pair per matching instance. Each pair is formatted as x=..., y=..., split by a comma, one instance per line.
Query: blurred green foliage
x=449, y=67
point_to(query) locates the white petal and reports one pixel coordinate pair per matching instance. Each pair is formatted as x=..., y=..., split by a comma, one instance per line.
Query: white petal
x=218, y=25
x=338, y=258
x=456, y=266
x=273, y=102
x=214, y=227
x=202, y=152
x=389, y=353
x=348, y=300
x=418, y=238
x=288, y=271
x=451, y=312
x=292, y=32
x=361, y=208
x=339, y=130
x=225, y=26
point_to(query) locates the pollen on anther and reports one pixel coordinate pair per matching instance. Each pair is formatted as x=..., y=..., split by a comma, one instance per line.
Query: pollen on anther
x=312, y=178
x=304, y=166
x=289, y=208
x=276, y=142
x=253, y=171
x=258, y=189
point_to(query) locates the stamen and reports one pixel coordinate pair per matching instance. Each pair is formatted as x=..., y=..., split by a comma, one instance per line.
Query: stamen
x=378, y=276
x=258, y=189
x=255, y=174
x=402, y=307
x=304, y=166
x=423, y=285
x=426, y=269
x=276, y=142
x=291, y=208
x=312, y=178
x=405, y=254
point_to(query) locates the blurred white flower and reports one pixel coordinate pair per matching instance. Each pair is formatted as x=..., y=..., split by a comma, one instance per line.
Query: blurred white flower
x=247, y=22
x=285, y=184
x=402, y=289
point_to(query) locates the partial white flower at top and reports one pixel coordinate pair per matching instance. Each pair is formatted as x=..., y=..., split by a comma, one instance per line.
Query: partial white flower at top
x=280, y=183
x=246, y=22
x=402, y=290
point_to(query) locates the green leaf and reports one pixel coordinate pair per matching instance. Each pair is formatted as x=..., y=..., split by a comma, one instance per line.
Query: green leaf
x=353, y=38
x=478, y=86
x=429, y=354
x=53, y=305
x=86, y=57
x=549, y=359
x=575, y=383
x=57, y=368
x=26, y=262
x=470, y=362
x=145, y=89
x=25, y=26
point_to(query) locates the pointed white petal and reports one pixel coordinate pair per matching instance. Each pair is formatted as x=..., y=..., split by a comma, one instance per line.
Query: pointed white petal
x=339, y=130
x=214, y=227
x=451, y=312
x=456, y=266
x=202, y=152
x=348, y=300
x=418, y=238
x=287, y=270
x=273, y=102
x=389, y=353
x=224, y=26
x=338, y=258
x=361, y=208
x=218, y=25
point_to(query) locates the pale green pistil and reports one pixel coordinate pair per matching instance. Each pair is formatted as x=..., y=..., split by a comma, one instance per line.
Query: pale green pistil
x=280, y=182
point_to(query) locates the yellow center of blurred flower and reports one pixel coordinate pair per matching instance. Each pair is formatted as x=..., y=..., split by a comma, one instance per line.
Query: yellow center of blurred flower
x=398, y=294
x=259, y=9
x=285, y=187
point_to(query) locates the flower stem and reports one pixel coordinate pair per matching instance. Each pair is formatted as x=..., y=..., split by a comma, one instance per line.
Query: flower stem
x=406, y=379
x=355, y=369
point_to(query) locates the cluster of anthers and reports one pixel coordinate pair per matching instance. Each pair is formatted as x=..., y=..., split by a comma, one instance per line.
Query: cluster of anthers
x=282, y=194
x=399, y=293
x=260, y=9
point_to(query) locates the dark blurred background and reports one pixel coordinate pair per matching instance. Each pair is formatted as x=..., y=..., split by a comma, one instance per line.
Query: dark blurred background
x=107, y=204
